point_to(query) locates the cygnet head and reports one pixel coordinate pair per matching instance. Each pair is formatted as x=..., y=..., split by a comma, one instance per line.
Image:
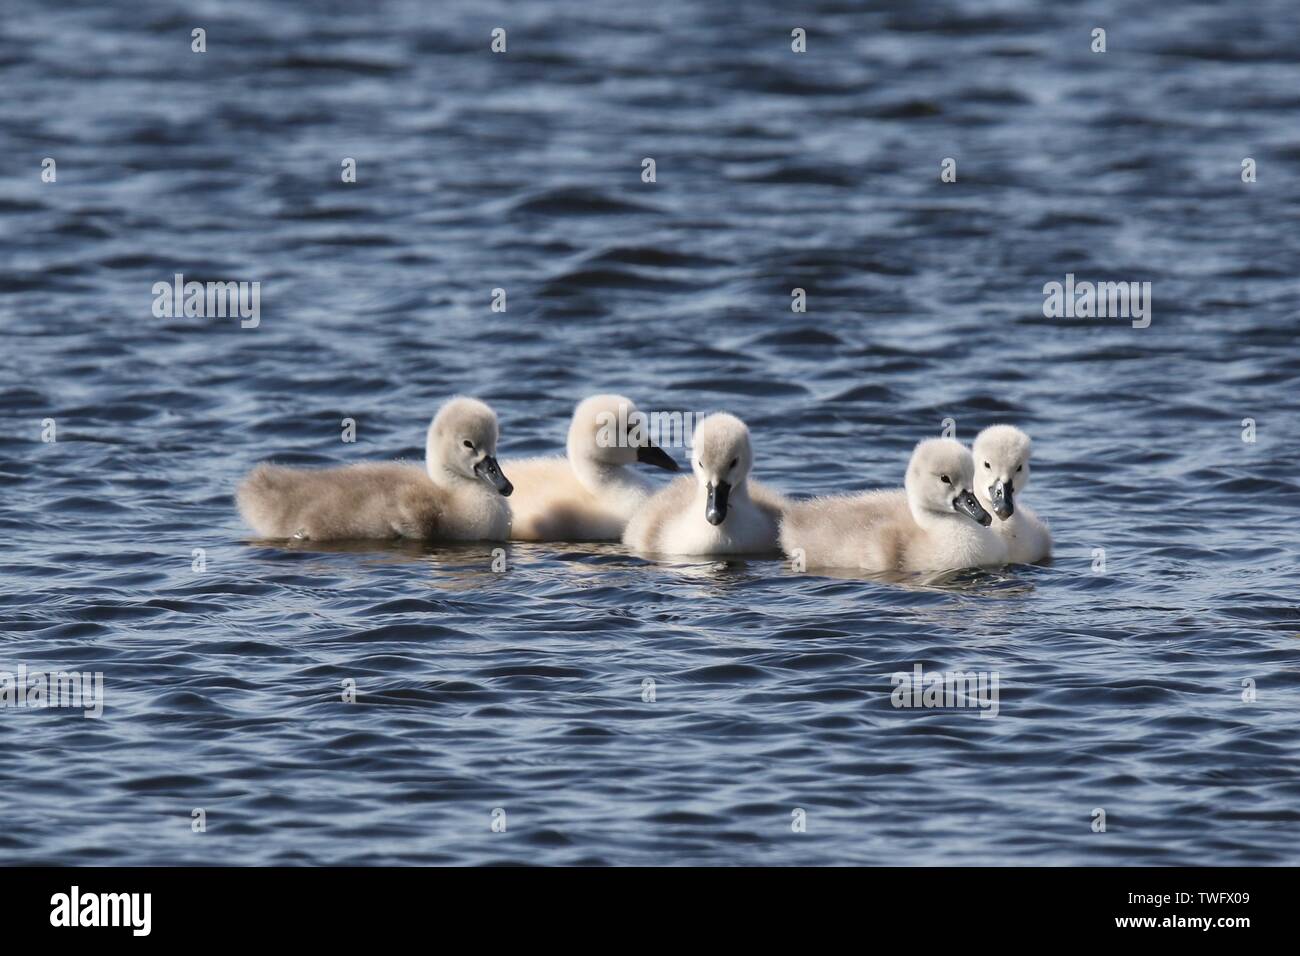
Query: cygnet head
x=1001, y=467
x=940, y=479
x=721, y=457
x=462, y=440
x=609, y=429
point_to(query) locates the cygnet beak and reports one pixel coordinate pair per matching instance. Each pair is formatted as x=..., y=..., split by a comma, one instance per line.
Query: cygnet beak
x=715, y=511
x=654, y=455
x=1000, y=494
x=969, y=505
x=490, y=471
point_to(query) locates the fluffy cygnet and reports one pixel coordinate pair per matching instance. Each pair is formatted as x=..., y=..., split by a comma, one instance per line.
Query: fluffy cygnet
x=591, y=494
x=934, y=524
x=718, y=510
x=1001, y=455
x=458, y=496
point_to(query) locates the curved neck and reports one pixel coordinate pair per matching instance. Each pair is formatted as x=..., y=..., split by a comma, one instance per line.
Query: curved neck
x=439, y=472
x=945, y=521
x=602, y=477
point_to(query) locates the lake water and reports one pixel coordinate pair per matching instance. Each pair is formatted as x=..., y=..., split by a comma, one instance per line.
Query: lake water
x=523, y=691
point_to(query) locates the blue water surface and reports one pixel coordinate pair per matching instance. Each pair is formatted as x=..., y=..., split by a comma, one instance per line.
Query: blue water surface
x=1124, y=688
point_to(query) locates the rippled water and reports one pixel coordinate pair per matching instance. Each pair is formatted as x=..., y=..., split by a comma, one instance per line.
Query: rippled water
x=522, y=690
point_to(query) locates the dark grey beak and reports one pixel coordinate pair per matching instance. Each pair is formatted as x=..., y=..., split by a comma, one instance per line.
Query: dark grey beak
x=969, y=505
x=716, y=509
x=1000, y=493
x=654, y=455
x=490, y=471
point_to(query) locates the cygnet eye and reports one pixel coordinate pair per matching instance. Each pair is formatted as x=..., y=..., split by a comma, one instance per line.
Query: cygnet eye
x=469, y=444
x=945, y=479
x=1018, y=467
x=986, y=464
x=734, y=462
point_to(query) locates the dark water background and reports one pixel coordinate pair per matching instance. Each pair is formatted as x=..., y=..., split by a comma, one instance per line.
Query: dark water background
x=522, y=690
